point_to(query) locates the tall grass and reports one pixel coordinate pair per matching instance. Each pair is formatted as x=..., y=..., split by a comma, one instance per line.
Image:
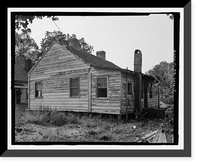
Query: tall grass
x=52, y=118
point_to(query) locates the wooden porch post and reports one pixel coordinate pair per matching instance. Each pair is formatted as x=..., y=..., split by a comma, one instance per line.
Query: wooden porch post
x=89, y=91
x=158, y=95
x=126, y=98
x=145, y=95
x=140, y=92
x=28, y=92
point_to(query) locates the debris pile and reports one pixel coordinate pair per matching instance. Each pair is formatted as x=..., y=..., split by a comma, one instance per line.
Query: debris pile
x=164, y=133
x=158, y=136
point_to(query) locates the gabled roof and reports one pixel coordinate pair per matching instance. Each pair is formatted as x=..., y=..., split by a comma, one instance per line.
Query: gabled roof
x=93, y=60
x=86, y=57
x=20, y=73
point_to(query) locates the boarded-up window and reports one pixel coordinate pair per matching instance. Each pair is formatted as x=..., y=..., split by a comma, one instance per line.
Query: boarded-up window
x=38, y=89
x=129, y=90
x=102, y=87
x=74, y=87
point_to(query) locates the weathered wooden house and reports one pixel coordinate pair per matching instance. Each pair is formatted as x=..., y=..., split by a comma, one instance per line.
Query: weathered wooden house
x=68, y=79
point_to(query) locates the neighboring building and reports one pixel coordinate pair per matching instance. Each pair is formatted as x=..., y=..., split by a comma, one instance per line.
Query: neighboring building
x=21, y=68
x=68, y=79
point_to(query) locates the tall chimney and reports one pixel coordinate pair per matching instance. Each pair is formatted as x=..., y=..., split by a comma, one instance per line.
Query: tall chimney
x=138, y=61
x=101, y=54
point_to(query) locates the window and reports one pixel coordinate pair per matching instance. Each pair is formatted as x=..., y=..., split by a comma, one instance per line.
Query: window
x=74, y=87
x=38, y=89
x=129, y=91
x=102, y=87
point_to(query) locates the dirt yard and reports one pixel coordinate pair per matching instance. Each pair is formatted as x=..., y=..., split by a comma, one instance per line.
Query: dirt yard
x=69, y=127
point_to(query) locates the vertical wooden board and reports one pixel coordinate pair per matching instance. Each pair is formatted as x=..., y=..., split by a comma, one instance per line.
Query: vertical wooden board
x=127, y=101
x=105, y=105
x=89, y=91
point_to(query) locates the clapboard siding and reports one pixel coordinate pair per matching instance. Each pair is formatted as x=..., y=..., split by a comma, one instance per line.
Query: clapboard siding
x=111, y=104
x=58, y=65
x=127, y=100
x=54, y=72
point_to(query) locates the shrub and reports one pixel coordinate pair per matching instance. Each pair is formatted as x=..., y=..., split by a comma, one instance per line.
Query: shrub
x=168, y=100
x=72, y=118
x=58, y=118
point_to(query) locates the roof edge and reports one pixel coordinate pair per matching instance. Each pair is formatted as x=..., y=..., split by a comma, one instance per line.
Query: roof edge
x=53, y=43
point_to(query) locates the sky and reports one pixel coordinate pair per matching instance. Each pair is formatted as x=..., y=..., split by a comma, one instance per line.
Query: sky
x=119, y=36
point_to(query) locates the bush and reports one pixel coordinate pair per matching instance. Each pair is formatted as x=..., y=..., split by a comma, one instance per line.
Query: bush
x=58, y=118
x=168, y=100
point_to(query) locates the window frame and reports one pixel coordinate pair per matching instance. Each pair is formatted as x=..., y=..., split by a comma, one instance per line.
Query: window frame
x=70, y=92
x=38, y=82
x=99, y=77
x=131, y=88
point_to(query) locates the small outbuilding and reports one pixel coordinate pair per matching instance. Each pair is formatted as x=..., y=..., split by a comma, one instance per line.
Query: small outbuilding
x=69, y=79
x=21, y=68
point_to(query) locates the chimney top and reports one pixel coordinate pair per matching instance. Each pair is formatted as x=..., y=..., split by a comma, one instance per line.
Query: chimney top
x=101, y=54
x=138, y=60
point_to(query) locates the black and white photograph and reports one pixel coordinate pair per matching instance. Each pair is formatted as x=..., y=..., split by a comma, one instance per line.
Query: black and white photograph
x=96, y=79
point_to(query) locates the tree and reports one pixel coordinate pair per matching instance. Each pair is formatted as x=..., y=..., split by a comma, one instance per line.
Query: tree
x=24, y=44
x=22, y=21
x=164, y=76
x=63, y=39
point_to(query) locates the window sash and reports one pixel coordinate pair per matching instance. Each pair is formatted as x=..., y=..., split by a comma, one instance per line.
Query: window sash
x=38, y=93
x=101, y=83
x=74, y=83
x=102, y=87
x=38, y=89
x=74, y=87
x=129, y=88
x=38, y=86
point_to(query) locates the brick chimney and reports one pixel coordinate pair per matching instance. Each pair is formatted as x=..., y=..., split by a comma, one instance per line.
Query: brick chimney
x=101, y=54
x=138, y=61
x=75, y=43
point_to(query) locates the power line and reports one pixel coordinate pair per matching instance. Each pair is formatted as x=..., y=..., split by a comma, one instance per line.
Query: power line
x=38, y=36
x=56, y=25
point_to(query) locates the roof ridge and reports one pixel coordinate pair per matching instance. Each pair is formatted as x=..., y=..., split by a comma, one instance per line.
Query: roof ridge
x=92, y=59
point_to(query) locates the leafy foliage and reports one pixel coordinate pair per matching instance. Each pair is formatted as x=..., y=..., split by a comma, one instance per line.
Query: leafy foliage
x=63, y=39
x=22, y=21
x=25, y=45
x=164, y=75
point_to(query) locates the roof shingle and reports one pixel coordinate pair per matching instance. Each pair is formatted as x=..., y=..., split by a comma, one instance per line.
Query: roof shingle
x=20, y=73
x=93, y=60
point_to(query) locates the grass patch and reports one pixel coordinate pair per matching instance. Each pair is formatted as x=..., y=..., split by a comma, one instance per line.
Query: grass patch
x=55, y=126
x=52, y=118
